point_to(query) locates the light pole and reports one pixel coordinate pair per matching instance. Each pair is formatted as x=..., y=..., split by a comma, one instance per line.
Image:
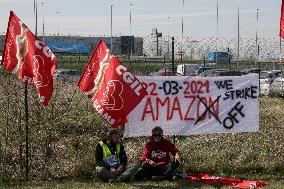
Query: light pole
x=130, y=5
x=238, y=35
x=43, y=33
x=111, y=28
x=256, y=38
x=35, y=13
x=130, y=18
x=57, y=12
x=217, y=32
x=181, y=49
x=168, y=37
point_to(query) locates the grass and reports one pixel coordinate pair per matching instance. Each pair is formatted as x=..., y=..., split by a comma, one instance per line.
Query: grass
x=64, y=135
x=137, y=69
x=70, y=184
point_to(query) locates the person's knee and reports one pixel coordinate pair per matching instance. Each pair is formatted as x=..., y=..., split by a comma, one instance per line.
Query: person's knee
x=146, y=166
x=99, y=170
x=103, y=174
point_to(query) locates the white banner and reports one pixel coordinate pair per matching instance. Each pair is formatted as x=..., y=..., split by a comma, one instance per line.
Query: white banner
x=196, y=105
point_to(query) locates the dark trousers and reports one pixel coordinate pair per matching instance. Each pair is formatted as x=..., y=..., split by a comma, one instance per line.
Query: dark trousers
x=167, y=170
x=105, y=174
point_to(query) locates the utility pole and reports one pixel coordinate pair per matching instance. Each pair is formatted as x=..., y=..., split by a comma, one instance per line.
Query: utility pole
x=111, y=28
x=256, y=38
x=181, y=49
x=217, y=34
x=238, y=35
x=157, y=35
x=130, y=20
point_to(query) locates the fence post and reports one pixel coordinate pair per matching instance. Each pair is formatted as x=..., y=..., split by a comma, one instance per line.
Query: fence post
x=173, y=56
x=173, y=71
x=229, y=59
x=258, y=68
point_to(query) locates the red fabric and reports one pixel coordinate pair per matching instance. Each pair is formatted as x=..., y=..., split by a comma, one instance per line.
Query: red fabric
x=231, y=182
x=114, y=90
x=159, y=153
x=24, y=54
x=281, y=33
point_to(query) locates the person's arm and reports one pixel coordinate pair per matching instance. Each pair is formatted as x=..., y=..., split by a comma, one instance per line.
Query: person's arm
x=146, y=154
x=175, y=152
x=99, y=156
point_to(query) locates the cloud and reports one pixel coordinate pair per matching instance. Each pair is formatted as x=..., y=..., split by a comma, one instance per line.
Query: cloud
x=14, y=1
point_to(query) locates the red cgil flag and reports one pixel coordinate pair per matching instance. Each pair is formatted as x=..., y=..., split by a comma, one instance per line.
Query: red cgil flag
x=114, y=91
x=28, y=57
x=281, y=33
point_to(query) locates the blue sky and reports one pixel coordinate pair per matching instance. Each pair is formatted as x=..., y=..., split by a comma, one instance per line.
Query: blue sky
x=92, y=17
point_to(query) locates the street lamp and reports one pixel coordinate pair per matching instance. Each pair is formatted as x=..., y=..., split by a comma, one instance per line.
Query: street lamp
x=130, y=5
x=238, y=35
x=182, y=31
x=35, y=14
x=111, y=28
x=57, y=12
x=130, y=19
x=256, y=37
x=43, y=33
x=168, y=37
x=217, y=32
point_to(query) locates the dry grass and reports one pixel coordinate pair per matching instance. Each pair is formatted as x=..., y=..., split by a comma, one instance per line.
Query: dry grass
x=63, y=138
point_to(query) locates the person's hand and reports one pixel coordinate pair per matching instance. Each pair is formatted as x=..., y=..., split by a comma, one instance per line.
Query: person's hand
x=152, y=163
x=114, y=170
x=177, y=157
x=120, y=169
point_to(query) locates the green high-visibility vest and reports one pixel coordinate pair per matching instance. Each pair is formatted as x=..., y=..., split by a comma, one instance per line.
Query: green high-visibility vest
x=108, y=158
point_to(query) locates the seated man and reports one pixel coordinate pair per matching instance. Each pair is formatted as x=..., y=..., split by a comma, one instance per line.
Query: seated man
x=156, y=156
x=111, y=159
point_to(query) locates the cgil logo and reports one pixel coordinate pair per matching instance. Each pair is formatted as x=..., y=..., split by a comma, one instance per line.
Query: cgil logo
x=45, y=49
x=129, y=78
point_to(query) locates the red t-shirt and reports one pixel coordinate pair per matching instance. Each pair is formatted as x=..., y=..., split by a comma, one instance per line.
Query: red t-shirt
x=159, y=152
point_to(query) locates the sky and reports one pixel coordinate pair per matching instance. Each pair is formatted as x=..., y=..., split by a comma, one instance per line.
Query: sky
x=92, y=17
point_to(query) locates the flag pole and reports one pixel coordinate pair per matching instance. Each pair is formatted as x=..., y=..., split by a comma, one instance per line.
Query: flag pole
x=173, y=71
x=280, y=61
x=27, y=133
x=27, y=168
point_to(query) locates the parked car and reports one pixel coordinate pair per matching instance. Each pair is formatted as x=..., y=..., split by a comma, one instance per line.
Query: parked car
x=251, y=70
x=67, y=75
x=277, y=86
x=163, y=72
x=266, y=79
x=210, y=72
x=202, y=69
x=229, y=73
x=188, y=69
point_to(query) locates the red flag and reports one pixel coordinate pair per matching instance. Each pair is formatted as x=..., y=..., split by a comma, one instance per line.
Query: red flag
x=115, y=91
x=24, y=54
x=281, y=33
x=231, y=182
